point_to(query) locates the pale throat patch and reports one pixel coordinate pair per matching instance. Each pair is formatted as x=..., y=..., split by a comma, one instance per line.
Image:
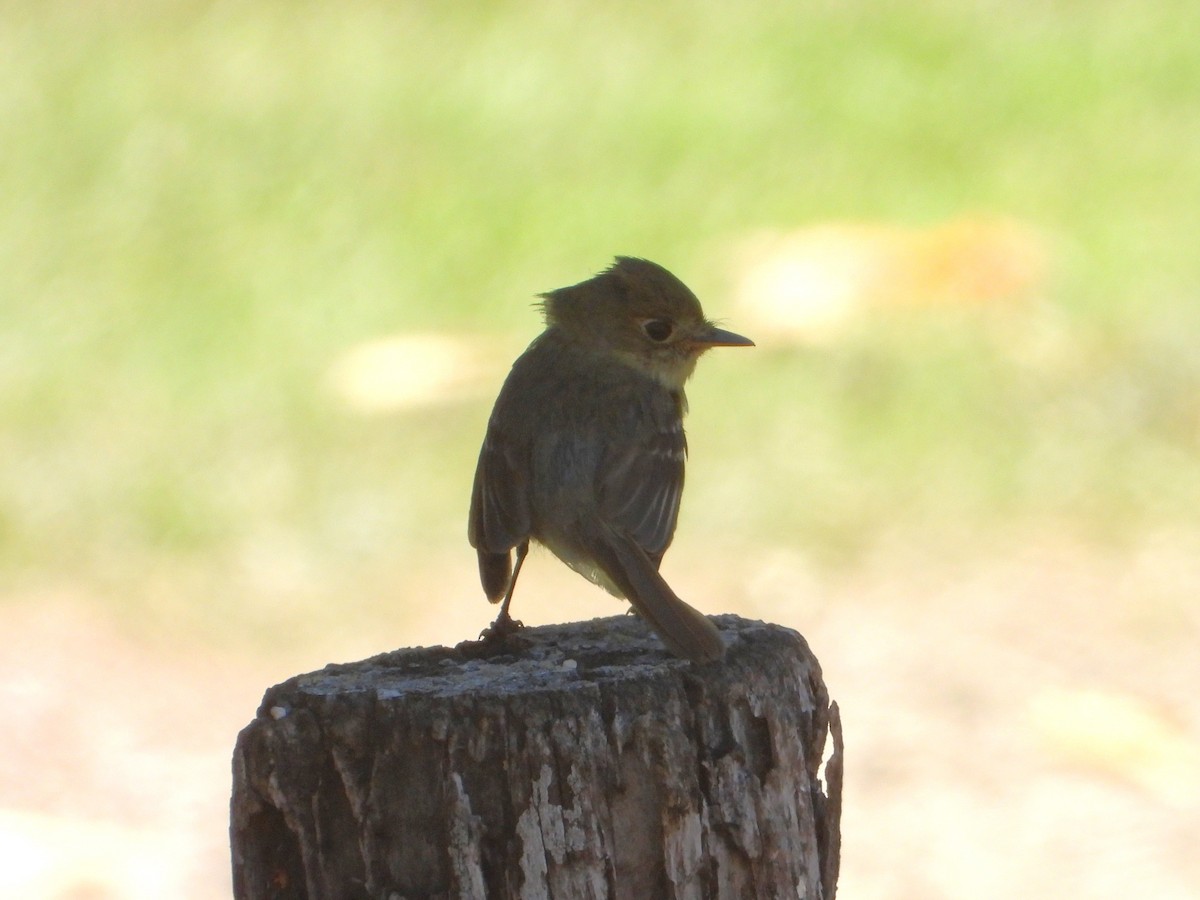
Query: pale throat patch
x=671, y=376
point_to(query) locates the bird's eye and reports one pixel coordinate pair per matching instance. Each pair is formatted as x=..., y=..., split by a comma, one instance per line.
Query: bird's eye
x=658, y=330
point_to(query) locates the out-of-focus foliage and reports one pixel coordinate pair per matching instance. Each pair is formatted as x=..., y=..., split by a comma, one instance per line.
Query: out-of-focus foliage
x=207, y=206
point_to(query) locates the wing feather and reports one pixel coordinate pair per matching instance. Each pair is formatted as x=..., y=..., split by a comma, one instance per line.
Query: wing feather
x=641, y=486
x=500, y=517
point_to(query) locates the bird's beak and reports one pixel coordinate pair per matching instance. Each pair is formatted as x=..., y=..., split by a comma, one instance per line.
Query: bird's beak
x=719, y=337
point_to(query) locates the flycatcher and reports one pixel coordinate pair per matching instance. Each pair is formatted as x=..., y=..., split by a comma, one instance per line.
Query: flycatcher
x=584, y=451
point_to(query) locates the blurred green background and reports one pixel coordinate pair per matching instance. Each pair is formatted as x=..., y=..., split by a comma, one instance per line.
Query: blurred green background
x=204, y=206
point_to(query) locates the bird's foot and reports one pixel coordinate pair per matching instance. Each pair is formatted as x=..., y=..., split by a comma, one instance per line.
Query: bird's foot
x=504, y=627
x=498, y=637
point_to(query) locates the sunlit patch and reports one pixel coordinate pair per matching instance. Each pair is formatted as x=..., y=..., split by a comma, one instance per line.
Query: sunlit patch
x=813, y=283
x=1119, y=735
x=412, y=370
x=48, y=855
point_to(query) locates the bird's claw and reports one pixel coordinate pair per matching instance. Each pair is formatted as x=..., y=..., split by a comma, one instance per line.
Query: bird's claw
x=499, y=631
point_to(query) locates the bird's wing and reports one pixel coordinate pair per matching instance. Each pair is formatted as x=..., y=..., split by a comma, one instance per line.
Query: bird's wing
x=640, y=486
x=499, y=517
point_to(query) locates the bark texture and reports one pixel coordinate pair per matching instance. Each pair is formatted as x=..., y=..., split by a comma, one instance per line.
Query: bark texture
x=577, y=761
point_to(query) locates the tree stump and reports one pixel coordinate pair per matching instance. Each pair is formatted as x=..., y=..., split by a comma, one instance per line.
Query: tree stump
x=579, y=761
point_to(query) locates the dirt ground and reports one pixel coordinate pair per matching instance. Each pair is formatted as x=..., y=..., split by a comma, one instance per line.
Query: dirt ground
x=1022, y=725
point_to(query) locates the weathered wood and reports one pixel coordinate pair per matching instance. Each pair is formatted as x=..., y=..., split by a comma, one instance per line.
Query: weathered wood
x=588, y=764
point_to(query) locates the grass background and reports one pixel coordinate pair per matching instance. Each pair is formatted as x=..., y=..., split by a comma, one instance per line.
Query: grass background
x=204, y=205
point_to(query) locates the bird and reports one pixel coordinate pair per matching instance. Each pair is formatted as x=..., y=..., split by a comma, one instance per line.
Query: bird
x=584, y=451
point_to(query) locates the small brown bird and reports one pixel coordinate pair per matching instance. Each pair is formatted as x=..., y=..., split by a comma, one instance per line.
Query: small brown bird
x=585, y=450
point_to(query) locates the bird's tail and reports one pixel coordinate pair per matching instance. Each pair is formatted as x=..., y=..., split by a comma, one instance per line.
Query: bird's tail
x=685, y=631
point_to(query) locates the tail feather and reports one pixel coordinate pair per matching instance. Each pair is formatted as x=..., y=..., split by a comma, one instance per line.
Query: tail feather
x=686, y=632
x=495, y=572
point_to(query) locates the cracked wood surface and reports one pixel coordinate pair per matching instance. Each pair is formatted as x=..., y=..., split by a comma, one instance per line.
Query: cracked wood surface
x=580, y=761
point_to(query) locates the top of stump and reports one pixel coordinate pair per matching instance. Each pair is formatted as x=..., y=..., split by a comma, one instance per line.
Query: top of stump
x=546, y=658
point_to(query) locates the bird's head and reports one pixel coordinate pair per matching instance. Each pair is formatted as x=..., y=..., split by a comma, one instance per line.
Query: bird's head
x=643, y=316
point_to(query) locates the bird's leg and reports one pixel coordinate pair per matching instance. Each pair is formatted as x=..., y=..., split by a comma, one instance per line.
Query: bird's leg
x=522, y=552
x=506, y=624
